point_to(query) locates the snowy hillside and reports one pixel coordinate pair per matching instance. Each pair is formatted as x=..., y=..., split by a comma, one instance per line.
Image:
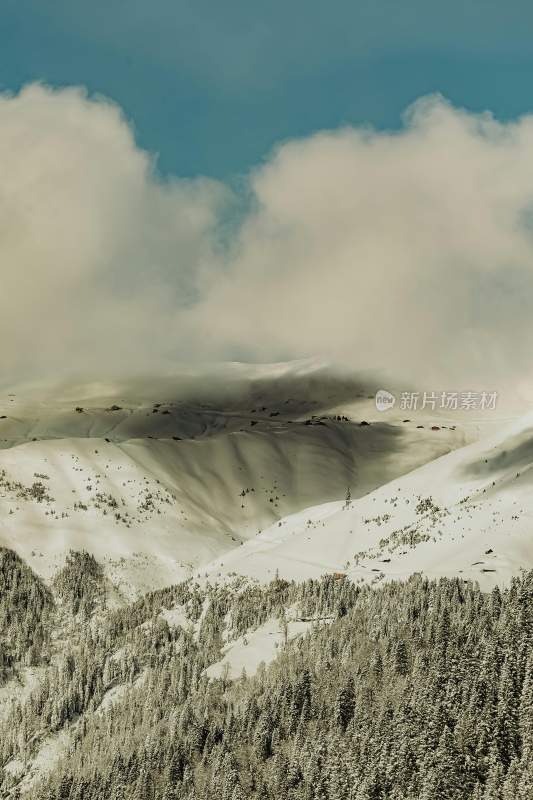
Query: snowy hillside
x=468, y=513
x=155, y=487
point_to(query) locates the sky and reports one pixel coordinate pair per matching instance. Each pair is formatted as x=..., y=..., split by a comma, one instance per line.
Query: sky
x=207, y=181
x=211, y=87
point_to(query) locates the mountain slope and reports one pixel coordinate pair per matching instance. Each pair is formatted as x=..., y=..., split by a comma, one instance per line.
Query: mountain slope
x=468, y=513
x=154, y=488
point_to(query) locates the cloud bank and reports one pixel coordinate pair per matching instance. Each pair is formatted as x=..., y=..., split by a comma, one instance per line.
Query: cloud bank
x=407, y=251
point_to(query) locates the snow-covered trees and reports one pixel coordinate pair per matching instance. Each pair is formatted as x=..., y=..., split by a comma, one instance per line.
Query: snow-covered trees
x=26, y=609
x=417, y=691
x=80, y=584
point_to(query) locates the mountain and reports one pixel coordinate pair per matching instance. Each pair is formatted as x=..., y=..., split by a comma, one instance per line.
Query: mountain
x=199, y=596
x=468, y=513
x=158, y=476
x=412, y=689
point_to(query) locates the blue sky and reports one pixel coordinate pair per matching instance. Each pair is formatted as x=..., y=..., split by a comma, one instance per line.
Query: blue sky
x=211, y=87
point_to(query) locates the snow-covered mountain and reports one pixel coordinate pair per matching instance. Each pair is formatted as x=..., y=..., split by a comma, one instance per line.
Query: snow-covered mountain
x=157, y=477
x=468, y=513
x=234, y=483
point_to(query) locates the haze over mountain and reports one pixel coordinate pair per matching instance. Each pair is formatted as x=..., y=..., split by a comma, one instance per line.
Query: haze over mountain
x=158, y=477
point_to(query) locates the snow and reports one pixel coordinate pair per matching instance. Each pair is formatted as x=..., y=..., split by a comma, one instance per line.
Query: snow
x=256, y=647
x=19, y=688
x=51, y=750
x=482, y=531
x=175, y=617
x=189, y=501
x=116, y=693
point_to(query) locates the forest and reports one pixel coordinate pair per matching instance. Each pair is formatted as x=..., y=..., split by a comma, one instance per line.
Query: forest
x=417, y=690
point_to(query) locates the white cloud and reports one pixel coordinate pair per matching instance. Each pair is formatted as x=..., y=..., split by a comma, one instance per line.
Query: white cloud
x=97, y=255
x=409, y=251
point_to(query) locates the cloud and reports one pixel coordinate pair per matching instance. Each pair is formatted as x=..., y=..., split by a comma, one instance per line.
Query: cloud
x=408, y=251
x=411, y=251
x=97, y=255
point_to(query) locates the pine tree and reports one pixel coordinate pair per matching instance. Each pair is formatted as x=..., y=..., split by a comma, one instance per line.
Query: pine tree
x=344, y=705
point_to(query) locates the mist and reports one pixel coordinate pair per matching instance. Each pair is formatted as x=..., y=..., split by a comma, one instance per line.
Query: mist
x=406, y=252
